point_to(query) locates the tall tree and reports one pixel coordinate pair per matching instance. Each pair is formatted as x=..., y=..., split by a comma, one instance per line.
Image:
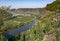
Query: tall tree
x=3, y=14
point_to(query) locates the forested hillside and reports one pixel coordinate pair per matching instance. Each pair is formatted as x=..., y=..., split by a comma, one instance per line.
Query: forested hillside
x=55, y=6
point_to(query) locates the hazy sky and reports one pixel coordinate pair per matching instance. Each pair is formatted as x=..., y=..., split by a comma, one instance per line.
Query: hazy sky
x=25, y=3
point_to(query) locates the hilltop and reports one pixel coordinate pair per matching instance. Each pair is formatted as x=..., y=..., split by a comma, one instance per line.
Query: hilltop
x=55, y=6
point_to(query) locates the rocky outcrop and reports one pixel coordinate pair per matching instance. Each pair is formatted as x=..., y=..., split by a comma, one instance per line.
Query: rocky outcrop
x=49, y=36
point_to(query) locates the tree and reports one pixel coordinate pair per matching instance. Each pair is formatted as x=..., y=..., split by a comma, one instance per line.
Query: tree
x=3, y=14
x=55, y=6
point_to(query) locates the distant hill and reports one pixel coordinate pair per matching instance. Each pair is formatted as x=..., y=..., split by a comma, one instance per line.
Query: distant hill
x=28, y=10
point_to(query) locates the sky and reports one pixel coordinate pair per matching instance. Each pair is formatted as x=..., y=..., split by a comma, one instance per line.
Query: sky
x=25, y=3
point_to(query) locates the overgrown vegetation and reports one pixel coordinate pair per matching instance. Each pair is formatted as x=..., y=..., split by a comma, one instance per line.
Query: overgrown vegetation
x=46, y=22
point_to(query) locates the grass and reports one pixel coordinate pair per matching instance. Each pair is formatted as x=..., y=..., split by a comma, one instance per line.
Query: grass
x=15, y=22
x=36, y=32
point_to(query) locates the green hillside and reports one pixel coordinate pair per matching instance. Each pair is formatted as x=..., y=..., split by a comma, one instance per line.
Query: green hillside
x=55, y=6
x=51, y=18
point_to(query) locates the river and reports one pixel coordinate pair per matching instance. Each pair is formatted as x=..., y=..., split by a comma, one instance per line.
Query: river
x=13, y=32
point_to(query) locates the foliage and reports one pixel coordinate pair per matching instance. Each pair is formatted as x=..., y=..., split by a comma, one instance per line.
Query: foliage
x=3, y=14
x=55, y=6
x=46, y=22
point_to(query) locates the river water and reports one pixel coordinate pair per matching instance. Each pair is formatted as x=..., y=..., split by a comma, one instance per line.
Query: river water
x=18, y=30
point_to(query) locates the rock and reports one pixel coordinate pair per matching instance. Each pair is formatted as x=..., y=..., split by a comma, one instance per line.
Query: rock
x=51, y=36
